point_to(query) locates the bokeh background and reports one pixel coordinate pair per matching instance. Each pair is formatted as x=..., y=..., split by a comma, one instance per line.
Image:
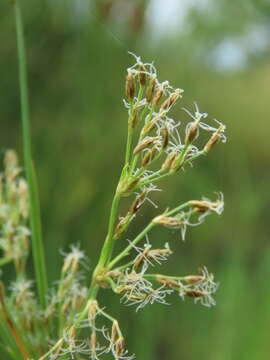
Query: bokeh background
x=219, y=52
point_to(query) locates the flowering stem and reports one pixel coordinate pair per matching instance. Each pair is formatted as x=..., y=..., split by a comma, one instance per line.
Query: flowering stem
x=126, y=251
x=108, y=244
x=129, y=143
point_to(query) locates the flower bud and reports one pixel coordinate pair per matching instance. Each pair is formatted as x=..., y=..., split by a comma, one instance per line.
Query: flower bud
x=130, y=86
x=214, y=139
x=148, y=157
x=137, y=203
x=143, y=144
x=142, y=74
x=148, y=127
x=167, y=221
x=92, y=310
x=193, y=279
x=168, y=103
x=194, y=293
x=169, y=161
x=119, y=346
x=122, y=226
x=115, y=332
x=158, y=95
x=72, y=332
x=165, y=137
x=133, y=118
x=151, y=89
x=191, y=133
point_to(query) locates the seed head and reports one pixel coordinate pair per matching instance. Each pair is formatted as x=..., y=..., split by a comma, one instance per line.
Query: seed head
x=170, y=222
x=192, y=133
x=119, y=346
x=205, y=206
x=144, y=144
x=168, y=103
x=148, y=157
x=165, y=137
x=130, y=85
x=214, y=139
x=92, y=311
x=160, y=91
x=167, y=165
x=142, y=74
x=151, y=88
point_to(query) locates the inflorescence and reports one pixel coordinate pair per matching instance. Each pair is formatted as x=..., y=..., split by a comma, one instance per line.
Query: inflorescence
x=157, y=147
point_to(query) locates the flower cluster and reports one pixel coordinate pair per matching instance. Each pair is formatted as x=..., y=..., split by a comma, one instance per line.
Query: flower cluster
x=105, y=340
x=14, y=232
x=149, y=103
x=71, y=324
x=157, y=147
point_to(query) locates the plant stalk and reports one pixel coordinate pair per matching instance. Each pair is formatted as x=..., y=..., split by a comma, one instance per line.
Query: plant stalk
x=35, y=222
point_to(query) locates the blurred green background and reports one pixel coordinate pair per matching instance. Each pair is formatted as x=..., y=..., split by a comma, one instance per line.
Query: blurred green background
x=219, y=52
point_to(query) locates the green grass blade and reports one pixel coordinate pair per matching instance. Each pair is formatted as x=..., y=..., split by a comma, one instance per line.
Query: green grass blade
x=9, y=340
x=37, y=245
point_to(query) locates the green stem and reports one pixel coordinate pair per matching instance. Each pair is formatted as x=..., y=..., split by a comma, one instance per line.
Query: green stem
x=109, y=242
x=198, y=154
x=129, y=144
x=178, y=208
x=55, y=346
x=126, y=251
x=5, y=260
x=151, y=180
x=35, y=222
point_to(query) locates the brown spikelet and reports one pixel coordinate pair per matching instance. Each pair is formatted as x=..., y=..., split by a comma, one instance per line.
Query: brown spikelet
x=165, y=137
x=143, y=144
x=200, y=205
x=157, y=96
x=130, y=86
x=214, y=139
x=168, y=103
x=133, y=118
x=119, y=346
x=192, y=279
x=167, y=221
x=142, y=75
x=169, y=161
x=148, y=157
x=194, y=293
x=149, y=126
x=191, y=133
x=137, y=203
x=151, y=89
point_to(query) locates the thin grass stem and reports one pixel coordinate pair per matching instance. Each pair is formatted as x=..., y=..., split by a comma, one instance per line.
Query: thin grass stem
x=35, y=222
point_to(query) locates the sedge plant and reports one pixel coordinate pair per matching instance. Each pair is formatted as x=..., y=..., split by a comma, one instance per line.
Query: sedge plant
x=68, y=321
